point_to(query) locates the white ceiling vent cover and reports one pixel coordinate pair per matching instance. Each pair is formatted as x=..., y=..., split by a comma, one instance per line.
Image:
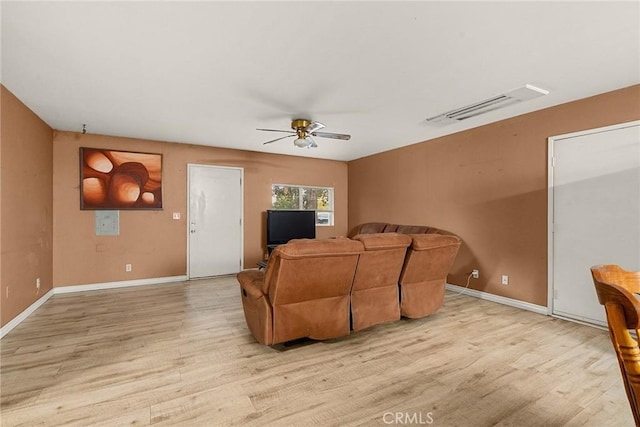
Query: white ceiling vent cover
x=500, y=101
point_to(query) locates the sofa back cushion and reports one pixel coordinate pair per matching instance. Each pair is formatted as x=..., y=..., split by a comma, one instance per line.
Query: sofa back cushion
x=430, y=256
x=383, y=227
x=390, y=228
x=367, y=228
x=381, y=263
x=412, y=229
x=310, y=269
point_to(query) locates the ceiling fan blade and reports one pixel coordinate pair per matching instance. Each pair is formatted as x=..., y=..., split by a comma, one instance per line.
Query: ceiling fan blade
x=277, y=139
x=342, y=136
x=312, y=143
x=277, y=130
x=314, y=126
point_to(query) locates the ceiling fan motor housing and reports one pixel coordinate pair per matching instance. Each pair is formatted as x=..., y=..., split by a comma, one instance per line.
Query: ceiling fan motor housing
x=298, y=124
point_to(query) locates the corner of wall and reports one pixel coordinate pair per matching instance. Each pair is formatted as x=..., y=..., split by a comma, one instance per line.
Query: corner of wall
x=26, y=210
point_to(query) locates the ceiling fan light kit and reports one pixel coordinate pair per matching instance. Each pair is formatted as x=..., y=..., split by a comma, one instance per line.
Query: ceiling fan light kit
x=301, y=142
x=304, y=129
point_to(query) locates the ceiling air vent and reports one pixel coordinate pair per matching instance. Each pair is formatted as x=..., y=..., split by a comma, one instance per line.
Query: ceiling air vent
x=500, y=101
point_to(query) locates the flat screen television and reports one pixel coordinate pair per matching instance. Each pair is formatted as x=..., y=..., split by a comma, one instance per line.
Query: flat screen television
x=283, y=226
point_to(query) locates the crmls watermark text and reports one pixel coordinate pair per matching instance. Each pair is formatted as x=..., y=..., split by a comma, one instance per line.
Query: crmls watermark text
x=411, y=418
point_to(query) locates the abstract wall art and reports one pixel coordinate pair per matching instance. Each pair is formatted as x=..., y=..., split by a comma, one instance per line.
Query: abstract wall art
x=112, y=179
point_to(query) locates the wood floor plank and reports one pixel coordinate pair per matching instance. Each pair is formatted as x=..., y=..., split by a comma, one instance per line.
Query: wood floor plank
x=181, y=354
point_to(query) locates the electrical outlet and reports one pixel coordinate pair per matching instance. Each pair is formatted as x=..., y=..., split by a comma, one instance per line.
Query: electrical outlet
x=475, y=274
x=38, y=283
x=127, y=268
x=505, y=279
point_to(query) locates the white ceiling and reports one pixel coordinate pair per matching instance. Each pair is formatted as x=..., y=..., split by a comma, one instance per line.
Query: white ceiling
x=210, y=73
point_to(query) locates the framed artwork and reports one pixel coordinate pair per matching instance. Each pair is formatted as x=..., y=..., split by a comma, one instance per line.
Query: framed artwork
x=119, y=180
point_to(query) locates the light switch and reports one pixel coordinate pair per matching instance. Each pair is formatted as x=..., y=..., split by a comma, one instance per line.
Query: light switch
x=176, y=215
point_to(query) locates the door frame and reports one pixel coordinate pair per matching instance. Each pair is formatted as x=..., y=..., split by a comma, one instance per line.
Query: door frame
x=550, y=208
x=190, y=166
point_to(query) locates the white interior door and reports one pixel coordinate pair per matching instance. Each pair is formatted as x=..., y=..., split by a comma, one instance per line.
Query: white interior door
x=215, y=220
x=596, y=214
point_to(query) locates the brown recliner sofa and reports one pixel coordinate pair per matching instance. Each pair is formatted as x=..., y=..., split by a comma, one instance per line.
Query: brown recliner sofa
x=322, y=289
x=426, y=265
x=304, y=291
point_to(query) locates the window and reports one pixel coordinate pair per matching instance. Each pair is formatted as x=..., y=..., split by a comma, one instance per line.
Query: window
x=319, y=199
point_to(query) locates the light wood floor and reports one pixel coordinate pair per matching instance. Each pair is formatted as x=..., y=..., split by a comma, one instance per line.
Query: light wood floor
x=181, y=354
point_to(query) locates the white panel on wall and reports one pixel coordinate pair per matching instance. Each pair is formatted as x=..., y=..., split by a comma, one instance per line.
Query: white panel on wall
x=107, y=223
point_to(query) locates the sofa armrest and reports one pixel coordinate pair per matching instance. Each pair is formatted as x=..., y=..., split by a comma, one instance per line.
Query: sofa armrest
x=252, y=282
x=256, y=306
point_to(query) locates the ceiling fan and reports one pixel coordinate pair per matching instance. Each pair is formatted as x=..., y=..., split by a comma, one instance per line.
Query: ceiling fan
x=304, y=129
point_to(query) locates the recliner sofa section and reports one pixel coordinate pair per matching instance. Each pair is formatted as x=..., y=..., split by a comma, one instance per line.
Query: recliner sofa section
x=375, y=293
x=424, y=273
x=304, y=291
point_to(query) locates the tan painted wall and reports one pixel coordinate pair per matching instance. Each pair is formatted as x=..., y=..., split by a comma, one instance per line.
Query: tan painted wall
x=488, y=185
x=26, y=207
x=153, y=242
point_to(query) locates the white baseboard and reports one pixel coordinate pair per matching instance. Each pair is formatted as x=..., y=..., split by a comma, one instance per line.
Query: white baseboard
x=122, y=284
x=26, y=313
x=82, y=288
x=540, y=309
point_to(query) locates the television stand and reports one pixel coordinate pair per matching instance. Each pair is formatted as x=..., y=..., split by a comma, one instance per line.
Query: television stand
x=263, y=264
